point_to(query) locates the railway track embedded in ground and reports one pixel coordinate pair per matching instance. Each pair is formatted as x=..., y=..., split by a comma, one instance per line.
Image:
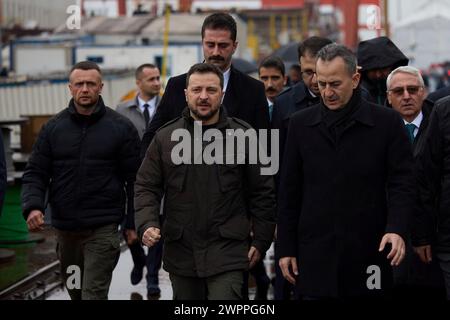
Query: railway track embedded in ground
x=36, y=286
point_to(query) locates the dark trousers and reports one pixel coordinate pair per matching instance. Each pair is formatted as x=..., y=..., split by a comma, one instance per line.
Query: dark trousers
x=224, y=286
x=444, y=262
x=283, y=289
x=152, y=261
x=88, y=258
x=261, y=280
x=415, y=280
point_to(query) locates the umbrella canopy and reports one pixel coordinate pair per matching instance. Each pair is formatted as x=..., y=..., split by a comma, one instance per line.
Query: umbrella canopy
x=244, y=66
x=288, y=53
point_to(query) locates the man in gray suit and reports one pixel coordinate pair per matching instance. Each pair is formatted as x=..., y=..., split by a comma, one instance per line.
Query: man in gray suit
x=140, y=111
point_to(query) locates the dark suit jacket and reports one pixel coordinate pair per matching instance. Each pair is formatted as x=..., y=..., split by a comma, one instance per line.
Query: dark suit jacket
x=414, y=278
x=291, y=100
x=426, y=111
x=244, y=99
x=412, y=272
x=438, y=94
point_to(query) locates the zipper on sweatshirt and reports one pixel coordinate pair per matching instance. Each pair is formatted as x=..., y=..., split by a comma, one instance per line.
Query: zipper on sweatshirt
x=81, y=152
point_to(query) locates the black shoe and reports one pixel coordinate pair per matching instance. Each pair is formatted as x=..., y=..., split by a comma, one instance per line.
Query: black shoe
x=153, y=293
x=261, y=290
x=136, y=275
x=136, y=296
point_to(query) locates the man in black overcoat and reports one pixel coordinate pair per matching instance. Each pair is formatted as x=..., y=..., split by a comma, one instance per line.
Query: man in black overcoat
x=346, y=189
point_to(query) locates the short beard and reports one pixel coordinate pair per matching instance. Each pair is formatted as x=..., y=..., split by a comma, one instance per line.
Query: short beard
x=205, y=117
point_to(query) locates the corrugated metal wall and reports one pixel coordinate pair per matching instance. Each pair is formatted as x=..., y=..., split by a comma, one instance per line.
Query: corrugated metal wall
x=50, y=98
x=47, y=13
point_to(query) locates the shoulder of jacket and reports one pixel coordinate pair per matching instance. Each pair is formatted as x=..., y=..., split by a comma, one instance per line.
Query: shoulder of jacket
x=304, y=115
x=246, y=78
x=60, y=116
x=178, y=79
x=235, y=122
x=117, y=117
x=283, y=94
x=442, y=107
x=285, y=91
x=169, y=123
x=443, y=103
x=124, y=104
x=63, y=115
x=380, y=109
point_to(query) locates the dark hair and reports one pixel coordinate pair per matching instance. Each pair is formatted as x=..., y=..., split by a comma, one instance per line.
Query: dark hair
x=273, y=62
x=85, y=65
x=204, y=68
x=296, y=67
x=334, y=50
x=312, y=46
x=139, y=69
x=222, y=21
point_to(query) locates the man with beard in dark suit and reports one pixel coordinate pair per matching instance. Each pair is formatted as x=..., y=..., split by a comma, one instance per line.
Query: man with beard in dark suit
x=244, y=96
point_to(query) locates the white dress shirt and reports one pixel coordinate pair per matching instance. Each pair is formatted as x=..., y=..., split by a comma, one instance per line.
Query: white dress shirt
x=151, y=105
x=226, y=78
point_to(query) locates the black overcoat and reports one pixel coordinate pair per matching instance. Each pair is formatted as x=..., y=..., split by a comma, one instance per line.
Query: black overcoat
x=338, y=197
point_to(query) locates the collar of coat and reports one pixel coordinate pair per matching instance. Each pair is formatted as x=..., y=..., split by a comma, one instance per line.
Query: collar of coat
x=363, y=115
x=299, y=92
x=98, y=112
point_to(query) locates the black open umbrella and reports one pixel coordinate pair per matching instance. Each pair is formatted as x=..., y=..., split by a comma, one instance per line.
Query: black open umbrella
x=288, y=53
x=244, y=66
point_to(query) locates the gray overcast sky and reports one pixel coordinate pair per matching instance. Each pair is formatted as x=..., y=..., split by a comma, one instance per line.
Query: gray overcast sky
x=400, y=9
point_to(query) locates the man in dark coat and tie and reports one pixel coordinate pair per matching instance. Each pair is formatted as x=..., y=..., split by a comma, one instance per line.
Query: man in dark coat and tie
x=303, y=95
x=244, y=96
x=140, y=110
x=346, y=189
x=406, y=92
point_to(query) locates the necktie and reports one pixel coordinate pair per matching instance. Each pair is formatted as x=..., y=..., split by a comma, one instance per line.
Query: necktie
x=410, y=128
x=146, y=115
x=270, y=111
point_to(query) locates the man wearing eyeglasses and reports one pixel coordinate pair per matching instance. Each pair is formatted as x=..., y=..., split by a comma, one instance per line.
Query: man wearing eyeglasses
x=298, y=97
x=304, y=94
x=406, y=93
